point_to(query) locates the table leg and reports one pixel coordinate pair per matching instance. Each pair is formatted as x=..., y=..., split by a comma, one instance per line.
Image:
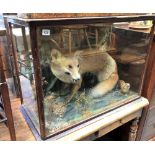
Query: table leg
x=133, y=129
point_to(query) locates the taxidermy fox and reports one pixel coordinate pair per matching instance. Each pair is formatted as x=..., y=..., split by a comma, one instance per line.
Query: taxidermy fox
x=69, y=69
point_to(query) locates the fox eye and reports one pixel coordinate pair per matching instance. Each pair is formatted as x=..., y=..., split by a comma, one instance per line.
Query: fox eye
x=78, y=65
x=70, y=66
x=67, y=73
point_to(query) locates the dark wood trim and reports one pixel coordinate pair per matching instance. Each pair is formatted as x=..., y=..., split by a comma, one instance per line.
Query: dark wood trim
x=12, y=68
x=78, y=20
x=148, y=63
x=96, y=20
x=6, y=101
x=13, y=57
x=38, y=79
x=149, y=80
x=14, y=54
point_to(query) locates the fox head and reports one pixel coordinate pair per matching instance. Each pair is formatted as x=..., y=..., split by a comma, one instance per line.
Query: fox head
x=65, y=68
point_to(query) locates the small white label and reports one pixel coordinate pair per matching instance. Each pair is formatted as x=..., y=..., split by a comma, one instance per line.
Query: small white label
x=45, y=32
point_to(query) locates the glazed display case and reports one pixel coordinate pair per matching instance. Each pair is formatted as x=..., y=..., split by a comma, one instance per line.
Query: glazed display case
x=72, y=70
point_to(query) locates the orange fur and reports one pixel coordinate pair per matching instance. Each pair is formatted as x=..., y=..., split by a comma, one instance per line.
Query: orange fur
x=103, y=65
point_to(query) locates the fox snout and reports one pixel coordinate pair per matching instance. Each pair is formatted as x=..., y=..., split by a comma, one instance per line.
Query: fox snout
x=75, y=79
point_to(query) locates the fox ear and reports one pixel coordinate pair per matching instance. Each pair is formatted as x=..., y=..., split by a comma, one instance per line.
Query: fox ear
x=55, y=54
x=77, y=54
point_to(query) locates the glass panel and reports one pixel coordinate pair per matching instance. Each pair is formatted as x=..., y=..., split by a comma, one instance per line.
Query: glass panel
x=132, y=42
x=88, y=70
x=22, y=49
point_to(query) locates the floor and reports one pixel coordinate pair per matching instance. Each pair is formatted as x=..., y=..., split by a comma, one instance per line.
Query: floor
x=23, y=132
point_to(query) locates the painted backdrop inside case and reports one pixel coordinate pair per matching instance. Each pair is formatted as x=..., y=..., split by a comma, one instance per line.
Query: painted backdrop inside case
x=86, y=70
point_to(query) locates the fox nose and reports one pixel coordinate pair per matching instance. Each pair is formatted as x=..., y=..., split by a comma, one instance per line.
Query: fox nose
x=75, y=80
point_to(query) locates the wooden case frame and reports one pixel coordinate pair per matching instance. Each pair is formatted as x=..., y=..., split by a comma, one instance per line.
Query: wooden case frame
x=34, y=23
